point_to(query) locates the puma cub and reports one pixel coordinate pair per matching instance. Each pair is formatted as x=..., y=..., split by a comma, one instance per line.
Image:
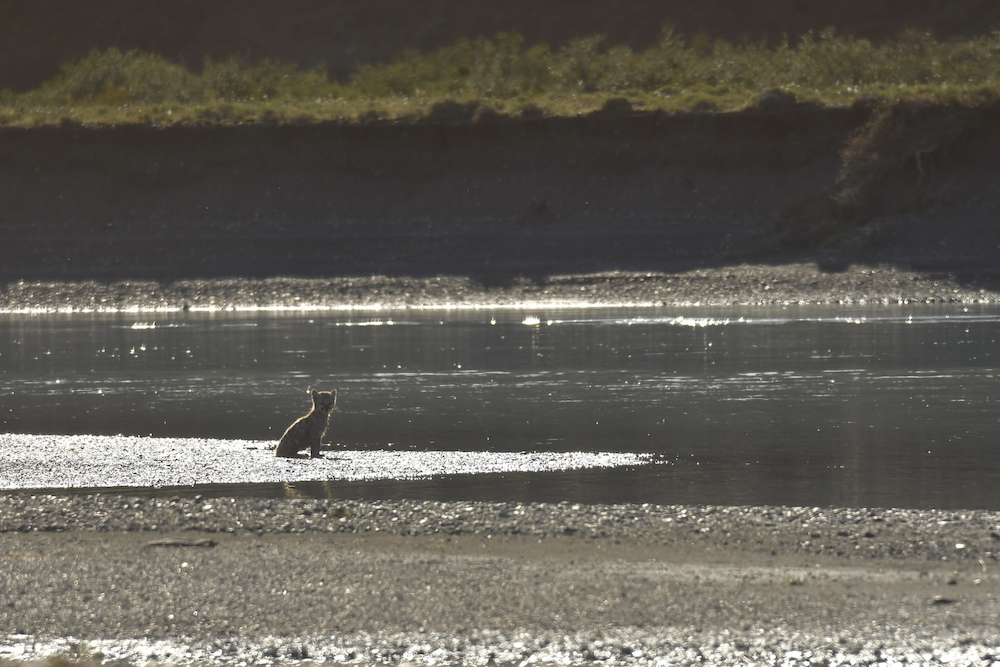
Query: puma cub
x=308, y=431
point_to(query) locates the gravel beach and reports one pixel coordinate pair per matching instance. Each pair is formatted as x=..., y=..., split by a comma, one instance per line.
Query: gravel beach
x=237, y=581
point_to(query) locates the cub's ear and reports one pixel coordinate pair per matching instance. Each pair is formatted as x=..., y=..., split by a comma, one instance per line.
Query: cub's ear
x=334, y=396
x=314, y=394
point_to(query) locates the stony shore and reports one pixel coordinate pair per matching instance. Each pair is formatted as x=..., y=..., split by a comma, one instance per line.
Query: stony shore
x=237, y=581
x=803, y=283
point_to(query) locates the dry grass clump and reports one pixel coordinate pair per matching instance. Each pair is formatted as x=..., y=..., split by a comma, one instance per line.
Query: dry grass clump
x=897, y=135
x=888, y=166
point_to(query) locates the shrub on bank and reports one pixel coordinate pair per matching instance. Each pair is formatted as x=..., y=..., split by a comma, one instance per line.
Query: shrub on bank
x=506, y=74
x=114, y=78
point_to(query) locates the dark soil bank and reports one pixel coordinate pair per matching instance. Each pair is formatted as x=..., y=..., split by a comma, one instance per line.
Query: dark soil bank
x=510, y=197
x=493, y=201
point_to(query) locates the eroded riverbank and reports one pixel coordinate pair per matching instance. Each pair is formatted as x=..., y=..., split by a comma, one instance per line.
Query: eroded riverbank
x=506, y=205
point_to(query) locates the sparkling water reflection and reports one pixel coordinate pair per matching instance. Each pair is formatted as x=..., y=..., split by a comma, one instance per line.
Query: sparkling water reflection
x=888, y=406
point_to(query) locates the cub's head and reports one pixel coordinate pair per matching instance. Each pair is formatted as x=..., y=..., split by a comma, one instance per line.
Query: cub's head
x=324, y=401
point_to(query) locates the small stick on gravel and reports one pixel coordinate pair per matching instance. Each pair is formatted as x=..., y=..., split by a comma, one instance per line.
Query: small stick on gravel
x=182, y=542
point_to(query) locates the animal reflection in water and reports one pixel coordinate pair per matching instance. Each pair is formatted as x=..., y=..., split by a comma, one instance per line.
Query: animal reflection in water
x=307, y=432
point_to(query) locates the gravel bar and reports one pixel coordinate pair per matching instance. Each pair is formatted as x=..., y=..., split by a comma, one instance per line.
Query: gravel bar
x=785, y=284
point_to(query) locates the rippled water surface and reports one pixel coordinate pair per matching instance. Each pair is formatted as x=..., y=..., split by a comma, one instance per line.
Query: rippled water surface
x=888, y=406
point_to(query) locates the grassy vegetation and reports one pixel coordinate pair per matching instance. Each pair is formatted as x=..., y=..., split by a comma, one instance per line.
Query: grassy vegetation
x=503, y=75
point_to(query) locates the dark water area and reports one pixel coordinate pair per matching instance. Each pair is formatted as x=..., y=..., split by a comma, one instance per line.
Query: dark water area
x=882, y=406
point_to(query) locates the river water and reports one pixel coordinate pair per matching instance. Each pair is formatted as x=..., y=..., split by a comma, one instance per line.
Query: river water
x=883, y=406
